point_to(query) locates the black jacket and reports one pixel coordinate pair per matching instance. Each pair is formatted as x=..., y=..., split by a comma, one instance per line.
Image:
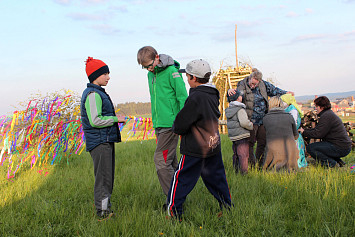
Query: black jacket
x=197, y=122
x=331, y=129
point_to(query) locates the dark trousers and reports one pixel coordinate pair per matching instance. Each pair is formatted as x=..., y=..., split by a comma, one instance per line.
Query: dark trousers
x=326, y=153
x=189, y=170
x=258, y=135
x=241, y=155
x=103, y=157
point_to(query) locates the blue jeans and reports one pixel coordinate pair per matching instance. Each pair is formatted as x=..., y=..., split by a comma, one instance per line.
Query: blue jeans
x=327, y=153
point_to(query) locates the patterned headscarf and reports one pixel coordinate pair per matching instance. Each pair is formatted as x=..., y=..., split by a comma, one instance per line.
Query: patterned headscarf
x=290, y=100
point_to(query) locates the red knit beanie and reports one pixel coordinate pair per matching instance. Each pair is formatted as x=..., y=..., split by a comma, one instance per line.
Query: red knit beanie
x=95, y=68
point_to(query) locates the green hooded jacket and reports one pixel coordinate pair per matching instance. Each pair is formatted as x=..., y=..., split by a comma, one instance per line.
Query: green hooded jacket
x=167, y=92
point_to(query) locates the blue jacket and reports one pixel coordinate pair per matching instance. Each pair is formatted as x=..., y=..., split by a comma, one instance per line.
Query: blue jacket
x=108, y=130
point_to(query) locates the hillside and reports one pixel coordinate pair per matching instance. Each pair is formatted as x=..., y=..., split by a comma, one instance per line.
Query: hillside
x=331, y=96
x=134, y=108
x=143, y=108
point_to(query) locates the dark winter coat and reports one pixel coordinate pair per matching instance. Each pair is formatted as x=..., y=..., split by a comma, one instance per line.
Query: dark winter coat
x=331, y=129
x=197, y=122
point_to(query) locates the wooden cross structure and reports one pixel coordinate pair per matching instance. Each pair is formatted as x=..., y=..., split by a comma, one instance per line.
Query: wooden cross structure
x=224, y=80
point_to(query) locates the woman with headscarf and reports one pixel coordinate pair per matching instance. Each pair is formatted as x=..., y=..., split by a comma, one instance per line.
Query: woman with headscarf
x=295, y=111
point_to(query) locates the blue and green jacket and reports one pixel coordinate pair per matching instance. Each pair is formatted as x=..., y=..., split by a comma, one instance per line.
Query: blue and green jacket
x=98, y=117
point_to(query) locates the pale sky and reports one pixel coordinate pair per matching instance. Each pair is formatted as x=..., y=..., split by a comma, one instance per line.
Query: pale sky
x=307, y=46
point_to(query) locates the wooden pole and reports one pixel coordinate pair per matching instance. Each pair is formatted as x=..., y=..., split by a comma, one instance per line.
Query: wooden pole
x=236, y=51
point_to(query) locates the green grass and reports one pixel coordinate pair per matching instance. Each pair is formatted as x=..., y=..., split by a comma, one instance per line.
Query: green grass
x=314, y=202
x=348, y=119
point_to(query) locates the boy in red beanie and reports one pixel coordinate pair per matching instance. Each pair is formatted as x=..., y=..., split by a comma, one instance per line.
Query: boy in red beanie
x=100, y=125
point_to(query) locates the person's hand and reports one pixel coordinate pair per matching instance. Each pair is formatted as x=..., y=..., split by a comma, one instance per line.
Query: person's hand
x=300, y=130
x=290, y=92
x=122, y=119
x=231, y=92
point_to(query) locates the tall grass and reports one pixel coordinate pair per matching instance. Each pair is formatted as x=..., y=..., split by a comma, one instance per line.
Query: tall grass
x=313, y=202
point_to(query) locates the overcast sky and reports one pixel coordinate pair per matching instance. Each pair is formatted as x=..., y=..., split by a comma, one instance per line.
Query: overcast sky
x=307, y=46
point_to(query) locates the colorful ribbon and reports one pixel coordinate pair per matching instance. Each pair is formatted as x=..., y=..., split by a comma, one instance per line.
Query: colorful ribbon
x=50, y=129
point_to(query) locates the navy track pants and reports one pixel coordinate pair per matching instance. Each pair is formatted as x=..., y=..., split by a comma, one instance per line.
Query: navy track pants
x=188, y=172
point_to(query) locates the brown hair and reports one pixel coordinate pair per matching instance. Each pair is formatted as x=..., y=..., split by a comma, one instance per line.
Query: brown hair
x=202, y=80
x=145, y=54
x=323, y=102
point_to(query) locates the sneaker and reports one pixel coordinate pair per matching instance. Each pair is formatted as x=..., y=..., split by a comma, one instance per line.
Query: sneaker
x=105, y=215
x=174, y=218
x=341, y=162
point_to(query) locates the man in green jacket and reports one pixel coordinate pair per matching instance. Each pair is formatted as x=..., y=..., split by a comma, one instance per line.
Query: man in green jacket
x=167, y=96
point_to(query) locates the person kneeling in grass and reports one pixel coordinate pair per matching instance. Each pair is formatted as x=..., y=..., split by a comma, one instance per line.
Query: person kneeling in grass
x=335, y=141
x=281, y=135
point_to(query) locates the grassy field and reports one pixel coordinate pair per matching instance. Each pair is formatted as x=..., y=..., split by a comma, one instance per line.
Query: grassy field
x=58, y=200
x=348, y=119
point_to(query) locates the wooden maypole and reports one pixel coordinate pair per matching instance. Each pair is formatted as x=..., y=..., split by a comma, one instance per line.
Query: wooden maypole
x=236, y=50
x=226, y=79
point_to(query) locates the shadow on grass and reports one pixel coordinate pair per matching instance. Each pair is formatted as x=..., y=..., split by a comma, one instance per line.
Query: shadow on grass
x=41, y=201
x=62, y=203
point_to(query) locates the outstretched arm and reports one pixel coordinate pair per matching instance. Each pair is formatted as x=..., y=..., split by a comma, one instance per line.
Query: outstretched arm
x=272, y=90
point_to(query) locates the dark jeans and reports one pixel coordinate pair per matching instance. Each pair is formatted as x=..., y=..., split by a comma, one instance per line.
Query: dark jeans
x=326, y=153
x=258, y=135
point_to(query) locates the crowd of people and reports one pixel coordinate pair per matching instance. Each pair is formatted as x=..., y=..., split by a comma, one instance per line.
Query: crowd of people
x=252, y=118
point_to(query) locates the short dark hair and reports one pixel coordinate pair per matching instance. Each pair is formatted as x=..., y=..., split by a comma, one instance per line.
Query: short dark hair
x=205, y=79
x=235, y=96
x=323, y=102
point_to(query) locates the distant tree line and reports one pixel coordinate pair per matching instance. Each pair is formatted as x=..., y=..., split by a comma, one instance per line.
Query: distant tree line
x=134, y=108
